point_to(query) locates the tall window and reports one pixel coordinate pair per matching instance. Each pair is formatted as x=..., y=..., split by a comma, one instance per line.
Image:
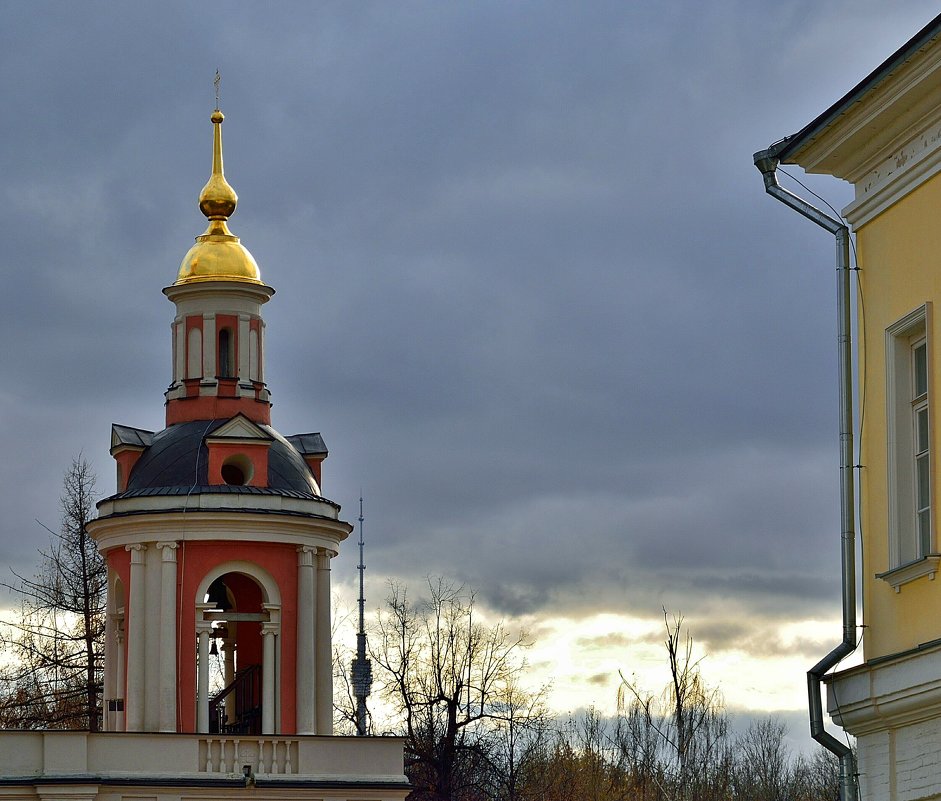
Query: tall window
x=920, y=446
x=225, y=353
x=908, y=372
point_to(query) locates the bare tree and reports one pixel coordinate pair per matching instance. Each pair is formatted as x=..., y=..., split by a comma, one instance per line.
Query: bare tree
x=688, y=720
x=817, y=778
x=764, y=769
x=52, y=675
x=516, y=740
x=452, y=681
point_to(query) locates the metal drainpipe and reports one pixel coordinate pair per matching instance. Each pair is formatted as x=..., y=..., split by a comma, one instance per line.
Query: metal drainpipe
x=766, y=161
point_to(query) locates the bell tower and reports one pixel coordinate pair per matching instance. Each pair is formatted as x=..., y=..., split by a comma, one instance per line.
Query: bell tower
x=218, y=328
x=218, y=539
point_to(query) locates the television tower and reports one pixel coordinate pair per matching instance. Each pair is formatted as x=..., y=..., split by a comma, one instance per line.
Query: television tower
x=361, y=672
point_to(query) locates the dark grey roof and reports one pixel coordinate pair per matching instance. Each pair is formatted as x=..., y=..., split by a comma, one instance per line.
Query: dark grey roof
x=210, y=489
x=214, y=489
x=126, y=435
x=309, y=444
x=178, y=459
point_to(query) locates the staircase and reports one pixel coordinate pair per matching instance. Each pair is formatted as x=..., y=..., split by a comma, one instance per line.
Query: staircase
x=247, y=689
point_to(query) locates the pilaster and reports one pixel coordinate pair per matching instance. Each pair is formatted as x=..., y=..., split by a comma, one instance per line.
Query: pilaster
x=305, y=692
x=168, y=574
x=324, y=658
x=134, y=708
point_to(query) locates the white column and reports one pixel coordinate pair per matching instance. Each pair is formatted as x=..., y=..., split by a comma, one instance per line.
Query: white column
x=107, y=722
x=324, y=660
x=268, y=634
x=203, y=628
x=167, y=716
x=261, y=350
x=305, y=687
x=228, y=657
x=134, y=706
x=119, y=683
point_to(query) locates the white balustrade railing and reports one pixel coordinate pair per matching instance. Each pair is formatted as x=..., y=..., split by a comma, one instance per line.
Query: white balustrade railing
x=265, y=755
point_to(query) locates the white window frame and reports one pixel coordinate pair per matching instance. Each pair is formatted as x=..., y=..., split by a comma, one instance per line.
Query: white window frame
x=908, y=559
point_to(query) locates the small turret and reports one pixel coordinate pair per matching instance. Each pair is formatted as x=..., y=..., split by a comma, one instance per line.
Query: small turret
x=218, y=348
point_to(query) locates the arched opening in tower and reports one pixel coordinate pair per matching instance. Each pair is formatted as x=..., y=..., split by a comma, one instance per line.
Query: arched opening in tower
x=236, y=654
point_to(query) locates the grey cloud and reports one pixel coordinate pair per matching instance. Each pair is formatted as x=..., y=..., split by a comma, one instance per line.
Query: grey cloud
x=599, y=679
x=614, y=639
x=529, y=287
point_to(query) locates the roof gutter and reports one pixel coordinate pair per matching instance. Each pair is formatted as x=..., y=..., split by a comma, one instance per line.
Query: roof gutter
x=767, y=162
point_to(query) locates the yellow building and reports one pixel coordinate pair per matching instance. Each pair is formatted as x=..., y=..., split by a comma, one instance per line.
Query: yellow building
x=884, y=137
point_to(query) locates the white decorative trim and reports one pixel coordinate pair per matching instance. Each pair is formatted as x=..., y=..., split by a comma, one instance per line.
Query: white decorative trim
x=886, y=143
x=899, y=486
x=212, y=501
x=870, y=129
x=927, y=566
x=269, y=587
x=169, y=550
x=137, y=552
x=240, y=428
x=898, y=175
x=225, y=294
x=232, y=527
x=893, y=693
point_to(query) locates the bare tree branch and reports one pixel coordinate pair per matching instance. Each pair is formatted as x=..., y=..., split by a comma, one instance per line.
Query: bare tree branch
x=52, y=675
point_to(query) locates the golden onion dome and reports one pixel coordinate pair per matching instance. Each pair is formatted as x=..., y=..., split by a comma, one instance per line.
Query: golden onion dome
x=218, y=255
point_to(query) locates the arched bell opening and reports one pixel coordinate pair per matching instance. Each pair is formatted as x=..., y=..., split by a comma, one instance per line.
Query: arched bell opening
x=237, y=654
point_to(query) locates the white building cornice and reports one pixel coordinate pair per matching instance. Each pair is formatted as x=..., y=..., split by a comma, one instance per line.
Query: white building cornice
x=887, y=142
x=230, y=526
x=896, y=692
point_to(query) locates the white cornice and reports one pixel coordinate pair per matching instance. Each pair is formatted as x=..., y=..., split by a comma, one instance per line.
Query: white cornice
x=898, y=692
x=232, y=526
x=218, y=289
x=886, y=143
x=891, y=176
x=213, y=501
x=890, y=111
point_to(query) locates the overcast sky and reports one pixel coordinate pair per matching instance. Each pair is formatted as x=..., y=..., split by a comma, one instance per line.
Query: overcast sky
x=529, y=288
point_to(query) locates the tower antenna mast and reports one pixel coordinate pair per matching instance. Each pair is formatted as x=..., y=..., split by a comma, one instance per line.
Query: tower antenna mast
x=361, y=672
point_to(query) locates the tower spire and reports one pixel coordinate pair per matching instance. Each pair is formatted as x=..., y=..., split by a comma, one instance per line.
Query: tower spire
x=361, y=672
x=218, y=255
x=218, y=346
x=217, y=199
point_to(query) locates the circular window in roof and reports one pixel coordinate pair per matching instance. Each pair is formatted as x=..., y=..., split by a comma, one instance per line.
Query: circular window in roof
x=237, y=470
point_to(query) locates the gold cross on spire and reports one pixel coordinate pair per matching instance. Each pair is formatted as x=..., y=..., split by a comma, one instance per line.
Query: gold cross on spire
x=216, y=82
